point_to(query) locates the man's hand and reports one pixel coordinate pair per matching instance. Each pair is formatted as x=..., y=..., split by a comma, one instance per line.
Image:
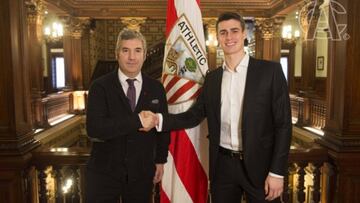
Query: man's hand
x=273, y=187
x=158, y=173
x=148, y=120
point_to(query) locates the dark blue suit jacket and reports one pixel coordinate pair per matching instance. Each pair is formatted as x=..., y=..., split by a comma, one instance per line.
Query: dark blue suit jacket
x=120, y=149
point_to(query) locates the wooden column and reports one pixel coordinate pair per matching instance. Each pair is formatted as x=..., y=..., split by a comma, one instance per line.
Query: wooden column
x=86, y=57
x=35, y=29
x=16, y=135
x=73, y=52
x=268, y=38
x=211, y=48
x=35, y=26
x=342, y=128
x=308, y=24
x=290, y=44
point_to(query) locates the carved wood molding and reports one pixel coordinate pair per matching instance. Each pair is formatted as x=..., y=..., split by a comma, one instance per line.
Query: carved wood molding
x=35, y=10
x=211, y=24
x=133, y=23
x=269, y=27
x=157, y=8
x=309, y=15
x=75, y=26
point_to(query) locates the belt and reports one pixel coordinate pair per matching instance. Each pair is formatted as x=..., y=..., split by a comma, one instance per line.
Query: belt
x=231, y=153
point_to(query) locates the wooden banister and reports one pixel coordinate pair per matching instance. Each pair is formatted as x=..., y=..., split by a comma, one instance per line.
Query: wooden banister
x=74, y=159
x=308, y=111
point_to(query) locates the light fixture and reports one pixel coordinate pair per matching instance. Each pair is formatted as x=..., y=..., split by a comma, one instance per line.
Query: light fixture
x=211, y=41
x=59, y=149
x=67, y=186
x=54, y=31
x=288, y=34
x=79, y=101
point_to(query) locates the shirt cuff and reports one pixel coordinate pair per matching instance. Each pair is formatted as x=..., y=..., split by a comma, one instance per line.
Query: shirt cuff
x=275, y=175
x=141, y=121
x=160, y=124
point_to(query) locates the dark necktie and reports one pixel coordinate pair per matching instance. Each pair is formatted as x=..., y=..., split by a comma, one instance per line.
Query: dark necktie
x=131, y=93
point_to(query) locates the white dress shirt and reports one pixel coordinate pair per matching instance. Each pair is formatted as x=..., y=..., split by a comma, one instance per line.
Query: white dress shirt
x=125, y=85
x=232, y=93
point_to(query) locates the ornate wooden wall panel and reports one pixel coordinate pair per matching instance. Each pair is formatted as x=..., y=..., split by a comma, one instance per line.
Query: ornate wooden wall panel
x=154, y=30
x=97, y=43
x=342, y=129
x=86, y=68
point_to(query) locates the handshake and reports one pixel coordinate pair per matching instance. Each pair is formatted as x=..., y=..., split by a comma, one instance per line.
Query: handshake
x=148, y=120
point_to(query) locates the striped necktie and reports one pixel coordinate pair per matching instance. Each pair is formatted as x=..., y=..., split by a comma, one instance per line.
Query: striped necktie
x=131, y=93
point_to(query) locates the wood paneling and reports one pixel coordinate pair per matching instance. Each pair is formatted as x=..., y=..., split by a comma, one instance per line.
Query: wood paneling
x=14, y=179
x=15, y=113
x=76, y=67
x=343, y=84
x=308, y=65
x=16, y=138
x=342, y=128
x=348, y=173
x=320, y=87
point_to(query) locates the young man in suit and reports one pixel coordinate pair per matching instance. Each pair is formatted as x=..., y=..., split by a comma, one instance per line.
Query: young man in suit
x=246, y=103
x=125, y=163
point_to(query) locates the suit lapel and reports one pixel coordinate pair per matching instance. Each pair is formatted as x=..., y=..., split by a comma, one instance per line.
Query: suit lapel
x=217, y=91
x=143, y=94
x=249, y=84
x=119, y=90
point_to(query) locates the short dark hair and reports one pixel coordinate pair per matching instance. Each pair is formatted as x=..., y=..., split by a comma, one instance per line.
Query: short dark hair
x=228, y=16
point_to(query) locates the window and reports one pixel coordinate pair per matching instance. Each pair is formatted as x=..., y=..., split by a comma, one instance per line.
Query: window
x=59, y=72
x=57, y=69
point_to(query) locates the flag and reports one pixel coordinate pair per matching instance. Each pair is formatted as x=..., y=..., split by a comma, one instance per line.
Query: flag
x=184, y=68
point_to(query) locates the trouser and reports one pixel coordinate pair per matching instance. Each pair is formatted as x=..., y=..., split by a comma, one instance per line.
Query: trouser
x=230, y=181
x=105, y=188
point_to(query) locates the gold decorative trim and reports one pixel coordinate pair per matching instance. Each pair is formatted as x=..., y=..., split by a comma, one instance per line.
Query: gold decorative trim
x=133, y=23
x=75, y=26
x=35, y=10
x=269, y=27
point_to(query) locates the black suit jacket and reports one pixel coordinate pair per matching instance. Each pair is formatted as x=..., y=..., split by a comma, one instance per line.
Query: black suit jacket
x=119, y=148
x=266, y=119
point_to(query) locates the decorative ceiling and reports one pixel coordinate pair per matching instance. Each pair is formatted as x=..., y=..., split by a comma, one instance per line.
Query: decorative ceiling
x=102, y=9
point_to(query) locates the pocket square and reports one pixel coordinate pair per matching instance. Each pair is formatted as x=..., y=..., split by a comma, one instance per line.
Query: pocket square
x=155, y=101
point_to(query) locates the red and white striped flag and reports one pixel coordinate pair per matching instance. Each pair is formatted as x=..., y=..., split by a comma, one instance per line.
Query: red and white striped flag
x=185, y=65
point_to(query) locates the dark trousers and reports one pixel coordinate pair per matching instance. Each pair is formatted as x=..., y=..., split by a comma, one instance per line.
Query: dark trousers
x=230, y=181
x=105, y=188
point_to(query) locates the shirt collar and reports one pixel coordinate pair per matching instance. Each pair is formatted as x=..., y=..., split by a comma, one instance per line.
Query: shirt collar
x=123, y=77
x=244, y=63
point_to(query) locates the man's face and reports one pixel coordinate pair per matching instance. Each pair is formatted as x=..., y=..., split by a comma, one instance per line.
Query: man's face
x=131, y=57
x=231, y=37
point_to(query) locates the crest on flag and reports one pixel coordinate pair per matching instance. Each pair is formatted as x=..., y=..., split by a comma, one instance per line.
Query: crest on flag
x=185, y=57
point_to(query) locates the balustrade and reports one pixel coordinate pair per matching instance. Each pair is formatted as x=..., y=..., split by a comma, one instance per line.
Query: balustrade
x=66, y=167
x=64, y=164
x=308, y=111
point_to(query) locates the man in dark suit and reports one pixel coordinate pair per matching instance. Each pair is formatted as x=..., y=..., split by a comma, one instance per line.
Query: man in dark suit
x=125, y=163
x=246, y=103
